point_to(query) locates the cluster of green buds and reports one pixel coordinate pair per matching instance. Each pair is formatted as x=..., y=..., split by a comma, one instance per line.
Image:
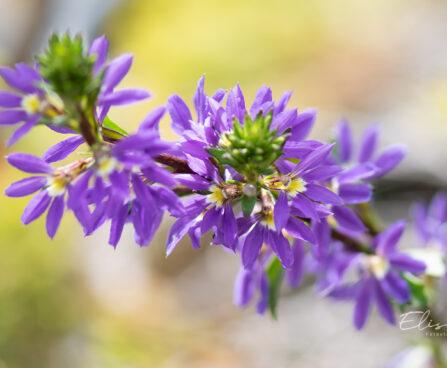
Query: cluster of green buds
x=252, y=147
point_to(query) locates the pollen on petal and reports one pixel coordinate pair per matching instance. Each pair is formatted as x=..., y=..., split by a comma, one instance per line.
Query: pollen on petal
x=57, y=185
x=31, y=104
x=296, y=186
x=216, y=196
x=378, y=266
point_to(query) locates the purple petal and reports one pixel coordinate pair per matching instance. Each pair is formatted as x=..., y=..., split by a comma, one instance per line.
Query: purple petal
x=389, y=159
x=11, y=117
x=298, y=229
x=358, y=172
x=152, y=120
x=100, y=47
x=322, y=194
x=264, y=291
x=235, y=107
x=389, y=239
x=10, y=99
x=192, y=181
x=116, y=70
x=369, y=143
x=62, y=149
x=284, y=120
x=120, y=184
x=322, y=232
x=26, y=186
x=306, y=207
x=281, y=211
x=20, y=132
x=210, y=219
x=295, y=273
x=195, y=235
x=160, y=175
x=419, y=217
x=178, y=230
x=263, y=95
x=362, y=304
x=36, y=207
x=404, y=262
x=200, y=101
x=77, y=192
x=344, y=140
x=117, y=225
x=282, y=249
x=281, y=105
x=314, y=158
x=303, y=124
x=244, y=287
x=346, y=218
x=180, y=114
x=124, y=97
x=383, y=304
x=252, y=246
x=230, y=225
x=438, y=207
x=16, y=79
x=355, y=193
x=54, y=215
x=322, y=173
x=29, y=163
x=396, y=287
x=147, y=141
x=168, y=200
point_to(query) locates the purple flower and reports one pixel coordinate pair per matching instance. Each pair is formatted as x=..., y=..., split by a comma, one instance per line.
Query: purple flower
x=430, y=222
x=120, y=185
x=381, y=279
x=27, y=104
x=251, y=281
x=51, y=185
x=114, y=72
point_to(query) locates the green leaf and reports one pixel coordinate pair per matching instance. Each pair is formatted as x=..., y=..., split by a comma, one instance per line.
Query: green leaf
x=113, y=126
x=248, y=203
x=419, y=294
x=275, y=274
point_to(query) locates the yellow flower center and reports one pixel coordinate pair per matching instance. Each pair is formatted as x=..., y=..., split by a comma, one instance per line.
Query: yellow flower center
x=57, y=185
x=31, y=104
x=378, y=266
x=296, y=186
x=106, y=166
x=217, y=196
x=268, y=221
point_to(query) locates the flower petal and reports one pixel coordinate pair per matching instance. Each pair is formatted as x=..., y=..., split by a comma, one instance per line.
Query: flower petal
x=54, y=215
x=235, y=107
x=396, y=287
x=346, y=218
x=362, y=304
x=11, y=117
x=100, y=47
x=244, y=287
x=36, y=207
x=322, y=194
x=10, y=99
x=180, y=114
x=281, y=211
x=20, y=132
x=369, y=143
x=389, y=159
x=344, y=140
x=298, y=229
x=404, y=262
x=357, y=172
x=152, y=120
x=355, y=193
x=26, y=186
x=29, y=163
x=252, y=246
x=295, y=273
x=117, y=225
x=116, y=70
x=390, y=237
x=124, y=97
x=62, y=149
x=383, y=304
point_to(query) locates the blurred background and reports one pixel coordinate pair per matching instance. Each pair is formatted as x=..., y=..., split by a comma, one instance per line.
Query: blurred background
x=76, y=302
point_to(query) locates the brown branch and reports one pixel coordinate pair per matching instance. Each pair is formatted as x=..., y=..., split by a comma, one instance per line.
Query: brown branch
x=351, y=243
x=179, y=165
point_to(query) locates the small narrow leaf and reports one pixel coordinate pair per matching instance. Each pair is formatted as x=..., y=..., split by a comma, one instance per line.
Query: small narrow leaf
x=275, y=274
x=248, y=203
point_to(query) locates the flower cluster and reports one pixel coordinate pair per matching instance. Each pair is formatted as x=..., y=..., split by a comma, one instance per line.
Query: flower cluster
x=247, y=173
